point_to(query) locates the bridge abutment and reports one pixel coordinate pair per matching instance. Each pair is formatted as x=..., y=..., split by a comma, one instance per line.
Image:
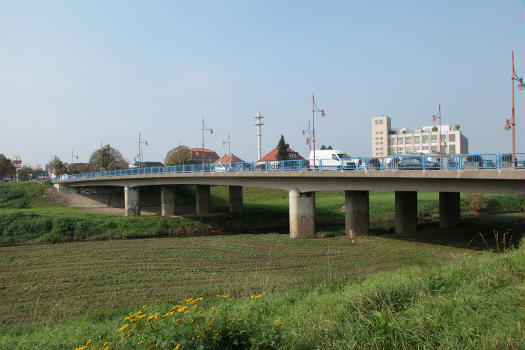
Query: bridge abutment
x=236, y=199
x=406, y=211
x=449, y=209
x=302, y=214
x=132, y=201
x=167, y=200
x=203, y=199
x=357, y=218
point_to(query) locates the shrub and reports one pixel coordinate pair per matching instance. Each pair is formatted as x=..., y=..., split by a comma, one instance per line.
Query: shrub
x=476, y=202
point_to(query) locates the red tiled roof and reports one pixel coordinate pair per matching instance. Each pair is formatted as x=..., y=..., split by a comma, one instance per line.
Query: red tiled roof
x=226, y=159
x=272, y=155
x=205, y=150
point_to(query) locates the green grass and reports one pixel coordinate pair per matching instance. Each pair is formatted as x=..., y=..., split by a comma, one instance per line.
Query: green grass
x=24, y=219
x=331, y=294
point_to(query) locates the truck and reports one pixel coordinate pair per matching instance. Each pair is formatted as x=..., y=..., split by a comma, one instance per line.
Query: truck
x=330, y=159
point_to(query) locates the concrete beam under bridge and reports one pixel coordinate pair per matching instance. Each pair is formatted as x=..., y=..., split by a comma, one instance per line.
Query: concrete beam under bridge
x=236, y=199
x=406, y=212
x=167, y=200
x=132, y=201
x=449, y=209
x=357, y=216
x=302, y=214
x=203, y=199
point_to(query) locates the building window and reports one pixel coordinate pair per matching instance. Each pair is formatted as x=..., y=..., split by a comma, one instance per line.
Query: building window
x=434, y=148
x=425, y=139
x=400, y=141
x=451, y=137
x=408, y=140
x=381, y=132
x=391, y=141
x=391, y=150
x=380, y=121
x=452, y=149
x=416, y=139
x=400, y=149
x=433, y=139
x=424, y=148
x=376, y=121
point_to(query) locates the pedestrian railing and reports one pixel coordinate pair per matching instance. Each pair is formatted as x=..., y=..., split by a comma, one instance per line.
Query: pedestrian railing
x=398, y=162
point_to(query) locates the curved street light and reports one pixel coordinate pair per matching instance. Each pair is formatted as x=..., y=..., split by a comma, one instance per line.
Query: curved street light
x=511, y=124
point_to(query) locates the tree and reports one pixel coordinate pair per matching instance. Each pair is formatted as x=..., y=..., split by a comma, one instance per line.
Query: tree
x=59, y=166
x=7, y=169
x=282, y=149
x=434, y=128
x=329, y=147
x=78, y=168
x=25, y=173
x=178, y=156
x=107, y=158
x=323, y=147
x=457, y=127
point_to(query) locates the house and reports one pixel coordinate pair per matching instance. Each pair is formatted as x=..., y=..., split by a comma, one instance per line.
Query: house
x=272, y=155
x=203, y=156
x=229, y=159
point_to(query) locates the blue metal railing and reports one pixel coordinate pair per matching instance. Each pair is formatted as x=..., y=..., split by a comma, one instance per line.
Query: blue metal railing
x=398, y=162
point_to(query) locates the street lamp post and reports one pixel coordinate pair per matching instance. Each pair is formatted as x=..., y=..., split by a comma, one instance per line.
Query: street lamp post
x=315, y=109
x=511, y=124
x=434, y=119
x=228, y=141
x=308, y=133
x=140, y=155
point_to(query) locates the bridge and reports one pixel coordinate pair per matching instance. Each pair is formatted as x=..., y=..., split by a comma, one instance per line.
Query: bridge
x=302, y=181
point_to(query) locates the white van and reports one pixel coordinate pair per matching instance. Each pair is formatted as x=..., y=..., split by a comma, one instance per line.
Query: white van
x=330, y=159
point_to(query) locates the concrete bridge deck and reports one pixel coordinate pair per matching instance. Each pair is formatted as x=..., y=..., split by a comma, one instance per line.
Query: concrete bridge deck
x=303, y=184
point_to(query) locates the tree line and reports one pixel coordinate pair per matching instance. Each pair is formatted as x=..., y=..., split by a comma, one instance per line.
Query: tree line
x=108, y=158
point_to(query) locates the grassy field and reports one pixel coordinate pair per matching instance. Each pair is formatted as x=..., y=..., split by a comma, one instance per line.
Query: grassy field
x=322, y=293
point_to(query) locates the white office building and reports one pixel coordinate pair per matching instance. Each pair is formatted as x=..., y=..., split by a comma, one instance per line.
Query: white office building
x=387, y=141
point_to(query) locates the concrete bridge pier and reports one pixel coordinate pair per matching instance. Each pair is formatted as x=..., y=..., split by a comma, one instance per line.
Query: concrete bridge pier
x=203, y=199
x=302, y=214
x=167, y=200
x=406, y=211
x=236, y=199
x=357, y=218
x=449, y=209
x=132, y=201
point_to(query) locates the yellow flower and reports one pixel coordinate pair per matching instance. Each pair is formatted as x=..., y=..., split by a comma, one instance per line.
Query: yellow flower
x=182, y=308
x=153, y=317
x=123, y=327
x=106, y=348
x=81, y=348
x=277, y=323
x=168, y=314
x=88, y=342
x=188, y=300
x=140, y=342
x=186, y=311
x=177, y=347
x=178, y=320
x=106, y=343
x=212, y=309
x=151, y=347
x=225, y=296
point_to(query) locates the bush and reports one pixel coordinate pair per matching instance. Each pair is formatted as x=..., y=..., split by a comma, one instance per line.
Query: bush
x=476, y=202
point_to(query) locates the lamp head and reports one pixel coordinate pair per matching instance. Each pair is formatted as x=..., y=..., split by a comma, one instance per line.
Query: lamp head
x=521, y=86
x=507, y=125
x=322, y=113
x=433, y=118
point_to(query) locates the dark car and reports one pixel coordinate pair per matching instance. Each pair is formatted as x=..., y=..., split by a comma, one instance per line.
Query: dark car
x=374, y=163
x=415, y=163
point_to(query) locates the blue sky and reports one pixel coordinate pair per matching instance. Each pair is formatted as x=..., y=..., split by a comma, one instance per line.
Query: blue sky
x=74, y=74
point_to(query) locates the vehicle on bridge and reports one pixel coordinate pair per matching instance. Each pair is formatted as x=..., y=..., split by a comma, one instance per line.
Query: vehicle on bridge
x=415, y=163
x=331, y=159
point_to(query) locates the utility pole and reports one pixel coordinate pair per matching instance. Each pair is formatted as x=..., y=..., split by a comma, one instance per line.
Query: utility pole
x=140, y=155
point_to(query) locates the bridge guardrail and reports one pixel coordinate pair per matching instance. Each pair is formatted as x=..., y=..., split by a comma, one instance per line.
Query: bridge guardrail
x=397, y=162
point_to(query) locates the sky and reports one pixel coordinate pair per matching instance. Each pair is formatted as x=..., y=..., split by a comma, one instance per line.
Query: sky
x=75, y=74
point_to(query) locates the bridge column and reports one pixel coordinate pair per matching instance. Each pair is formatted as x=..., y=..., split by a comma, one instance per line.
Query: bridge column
x=167, y=200
x=449, y=209
x=203, y=199
x=406, y=212
x=356, y=213
x=132, y=201
x=302, y=214
x=236, y=200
